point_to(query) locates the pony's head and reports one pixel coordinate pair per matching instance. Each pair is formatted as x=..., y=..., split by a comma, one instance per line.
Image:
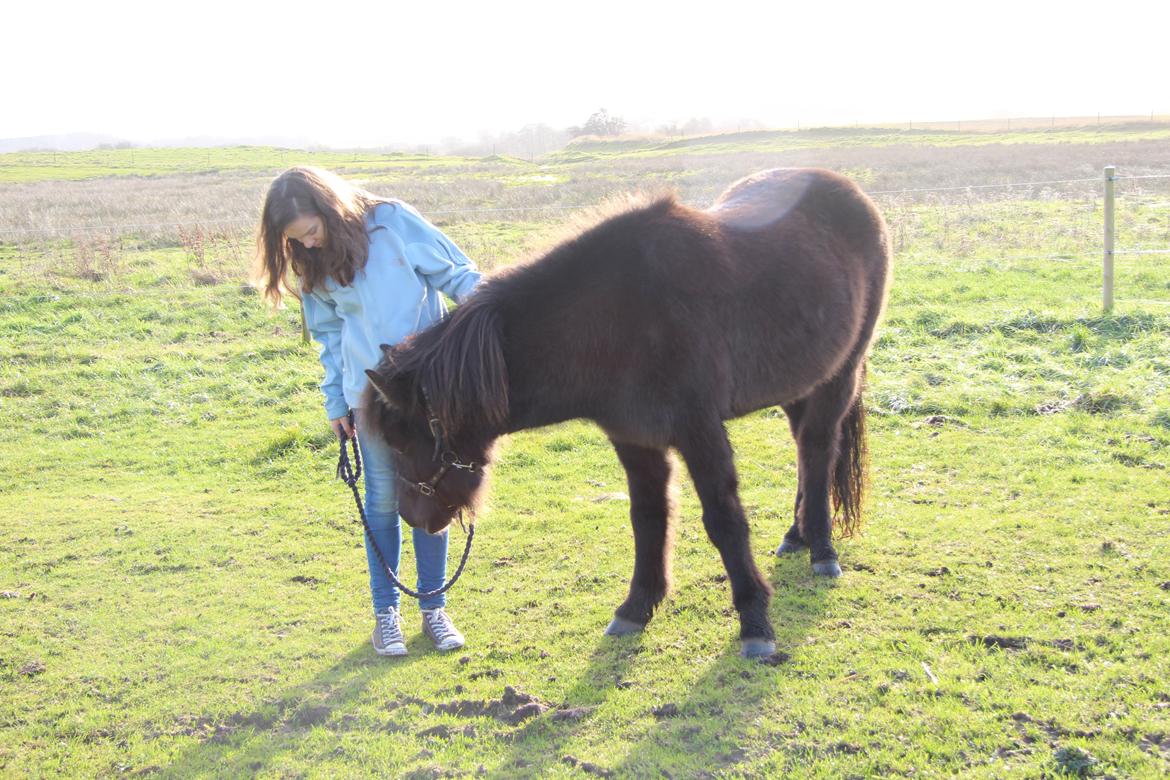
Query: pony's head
x=440, y=400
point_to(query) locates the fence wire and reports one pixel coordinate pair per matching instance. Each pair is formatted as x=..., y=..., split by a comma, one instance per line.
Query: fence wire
x=214, y=223
x=962, y=187
x=1075, y=255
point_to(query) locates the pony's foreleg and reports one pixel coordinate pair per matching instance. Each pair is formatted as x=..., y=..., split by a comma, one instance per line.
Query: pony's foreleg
x=648, y=478
x=710, y=459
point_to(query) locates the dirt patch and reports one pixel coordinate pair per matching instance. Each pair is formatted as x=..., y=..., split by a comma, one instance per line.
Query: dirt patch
x=513, y=707
x=1158, y=742
x=1053, y=407
x=31, y=669
x=775, y=659
x=1050, y=729
x=573, y=713
x=1091, y=403
x=220, y=730
x=446, y=732
x=394, y=704
x=430, y=772
x=668, y=710
x=587, y=767
x=611, y=497
x=939, y=420
x=310, y=716
x=1002, y=642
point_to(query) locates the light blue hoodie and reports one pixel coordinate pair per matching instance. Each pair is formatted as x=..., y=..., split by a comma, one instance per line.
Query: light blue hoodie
x=397, y=293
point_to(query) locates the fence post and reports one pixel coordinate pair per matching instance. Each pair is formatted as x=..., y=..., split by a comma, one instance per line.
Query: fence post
x=1107, y=276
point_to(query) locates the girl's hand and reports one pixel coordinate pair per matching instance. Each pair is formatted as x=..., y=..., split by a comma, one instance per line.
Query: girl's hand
x=341, y=428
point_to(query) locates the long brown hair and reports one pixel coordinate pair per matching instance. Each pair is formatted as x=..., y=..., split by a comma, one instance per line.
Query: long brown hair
x=306, y=192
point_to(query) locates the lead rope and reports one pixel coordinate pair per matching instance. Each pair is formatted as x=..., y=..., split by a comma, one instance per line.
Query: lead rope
x=349, y=475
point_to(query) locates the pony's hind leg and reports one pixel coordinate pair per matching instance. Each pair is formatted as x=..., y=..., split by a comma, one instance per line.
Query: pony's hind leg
x=793, y=542
x=818, y=438
x=648, y=478
x=709, y=457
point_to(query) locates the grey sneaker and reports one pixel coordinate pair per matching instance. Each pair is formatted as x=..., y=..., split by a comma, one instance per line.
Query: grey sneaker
x=437, y=625
x=388, y=639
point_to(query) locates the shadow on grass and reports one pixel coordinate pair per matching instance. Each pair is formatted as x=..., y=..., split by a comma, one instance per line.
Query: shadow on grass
x=702, y=733
x=245, y=743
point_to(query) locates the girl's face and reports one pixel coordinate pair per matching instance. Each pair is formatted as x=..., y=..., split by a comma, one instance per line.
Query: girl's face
x=307, y=230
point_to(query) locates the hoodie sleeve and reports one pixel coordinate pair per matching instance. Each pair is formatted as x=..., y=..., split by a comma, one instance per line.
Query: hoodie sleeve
x=445, y=267
x=434, y=256
x=325, y=327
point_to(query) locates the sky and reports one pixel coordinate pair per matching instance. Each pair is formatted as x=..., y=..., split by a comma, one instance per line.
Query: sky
x=358, y=73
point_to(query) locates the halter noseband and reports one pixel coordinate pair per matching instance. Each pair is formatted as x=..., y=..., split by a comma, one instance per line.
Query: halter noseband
x=445, y=456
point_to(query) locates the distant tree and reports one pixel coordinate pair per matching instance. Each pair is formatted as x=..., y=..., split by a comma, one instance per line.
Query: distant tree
x=601, y=122
x=697, y=126
x=693, y=126
x=529, y=142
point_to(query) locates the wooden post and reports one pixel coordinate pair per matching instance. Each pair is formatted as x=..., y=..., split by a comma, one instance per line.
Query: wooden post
x=1107, y=275
x=304, y=325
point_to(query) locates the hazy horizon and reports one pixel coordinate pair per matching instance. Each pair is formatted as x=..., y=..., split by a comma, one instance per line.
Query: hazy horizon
x=381, y=76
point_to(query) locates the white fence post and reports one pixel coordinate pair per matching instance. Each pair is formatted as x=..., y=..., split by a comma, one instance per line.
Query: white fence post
x=1107, y=276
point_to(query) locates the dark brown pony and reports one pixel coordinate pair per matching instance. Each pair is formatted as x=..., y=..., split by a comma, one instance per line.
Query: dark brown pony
x=658, y=324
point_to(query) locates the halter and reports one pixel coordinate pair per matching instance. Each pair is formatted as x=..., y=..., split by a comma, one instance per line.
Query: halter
x=444, y=456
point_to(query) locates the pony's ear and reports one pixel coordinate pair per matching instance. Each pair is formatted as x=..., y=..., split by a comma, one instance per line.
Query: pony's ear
x=385, y=349
x=383, y=388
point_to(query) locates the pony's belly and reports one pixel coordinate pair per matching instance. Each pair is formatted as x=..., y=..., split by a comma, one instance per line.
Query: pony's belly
x=747, y=403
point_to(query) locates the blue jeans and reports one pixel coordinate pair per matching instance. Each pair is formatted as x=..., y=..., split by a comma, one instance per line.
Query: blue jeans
x=430, y=551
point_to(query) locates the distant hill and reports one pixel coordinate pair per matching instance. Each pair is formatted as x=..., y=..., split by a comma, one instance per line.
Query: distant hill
x=69, y=142
x=215, y=141
x=80, y=142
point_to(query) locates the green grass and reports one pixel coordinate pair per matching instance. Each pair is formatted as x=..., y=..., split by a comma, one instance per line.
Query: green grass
x=185, y=588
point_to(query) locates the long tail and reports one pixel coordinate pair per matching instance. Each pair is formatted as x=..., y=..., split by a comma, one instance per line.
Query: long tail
x=851, y=472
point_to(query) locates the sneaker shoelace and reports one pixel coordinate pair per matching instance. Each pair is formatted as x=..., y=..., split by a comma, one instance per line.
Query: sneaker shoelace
x=389, y=628
x=441, y=625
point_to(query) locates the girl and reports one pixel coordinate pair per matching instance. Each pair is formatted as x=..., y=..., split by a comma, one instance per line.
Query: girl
x=368, y=271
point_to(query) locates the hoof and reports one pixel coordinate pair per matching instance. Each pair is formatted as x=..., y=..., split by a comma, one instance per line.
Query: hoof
x=622, y=627
x=757, y=648
x=829, y=568
x=787, y=548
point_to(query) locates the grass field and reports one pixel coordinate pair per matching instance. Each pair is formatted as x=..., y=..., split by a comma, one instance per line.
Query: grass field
x=183, y=584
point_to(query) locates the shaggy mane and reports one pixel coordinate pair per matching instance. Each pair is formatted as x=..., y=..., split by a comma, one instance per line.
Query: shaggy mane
x=459, y=362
